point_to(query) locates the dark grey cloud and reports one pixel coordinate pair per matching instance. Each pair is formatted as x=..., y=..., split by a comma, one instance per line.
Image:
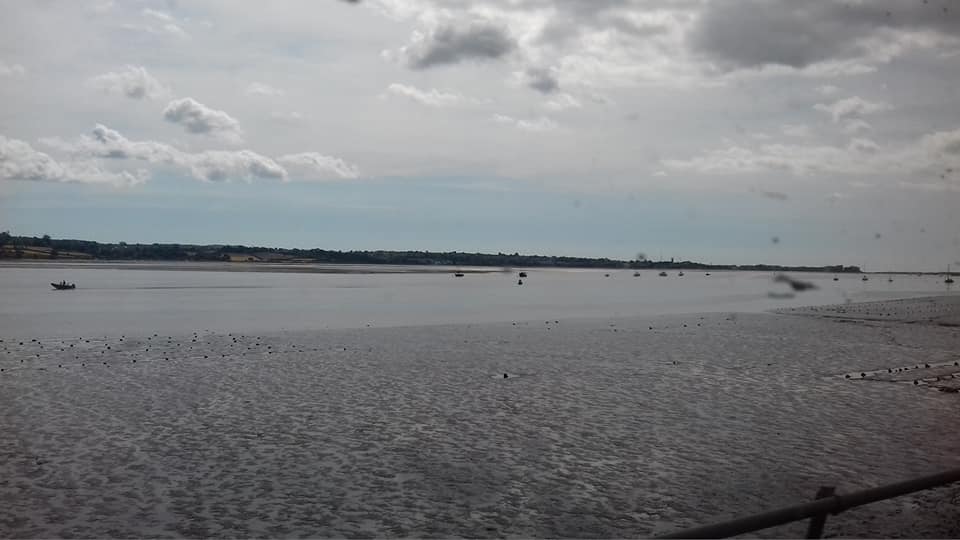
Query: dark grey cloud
x=542, y=80
x=753, y=33
x=452, y=43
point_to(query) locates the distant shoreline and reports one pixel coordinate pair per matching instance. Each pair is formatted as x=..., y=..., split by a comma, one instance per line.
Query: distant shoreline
x=33, y=248
x=350, y=268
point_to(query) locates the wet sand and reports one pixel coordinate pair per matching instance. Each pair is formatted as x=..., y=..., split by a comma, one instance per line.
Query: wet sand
x=602, y=428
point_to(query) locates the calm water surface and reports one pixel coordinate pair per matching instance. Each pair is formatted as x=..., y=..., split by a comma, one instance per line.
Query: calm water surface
x=130, y=301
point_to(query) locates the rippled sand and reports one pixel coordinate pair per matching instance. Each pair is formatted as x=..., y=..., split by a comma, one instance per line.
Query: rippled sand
x=602, y=428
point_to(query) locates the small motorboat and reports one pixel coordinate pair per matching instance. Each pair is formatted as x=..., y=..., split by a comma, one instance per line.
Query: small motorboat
x=680, y=274
x=636, y=274
x=519, y=282
x=662, y=274
x=949, y=279
x=458, y=274
x=64, y=286
x=864, y=278
x=523, y=274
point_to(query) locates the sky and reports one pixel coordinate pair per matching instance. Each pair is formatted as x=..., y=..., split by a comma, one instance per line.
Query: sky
x=733, y=131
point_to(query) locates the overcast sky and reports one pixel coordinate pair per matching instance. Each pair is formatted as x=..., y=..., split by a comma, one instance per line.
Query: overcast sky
x=722, y=131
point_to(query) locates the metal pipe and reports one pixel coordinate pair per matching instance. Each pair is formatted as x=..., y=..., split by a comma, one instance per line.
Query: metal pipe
x=815, y=529
x=831, y=505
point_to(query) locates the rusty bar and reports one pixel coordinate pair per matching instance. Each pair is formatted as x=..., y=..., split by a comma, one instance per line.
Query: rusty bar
x=815, y=529
x=831, y=505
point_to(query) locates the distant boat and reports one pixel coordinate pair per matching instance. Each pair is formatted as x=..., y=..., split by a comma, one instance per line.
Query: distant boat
x=662, y=274
x=864, y=278
x=835, y=278
x=64, y=286
x=680, y=273
x=949, y=279
x=458, y=274
x=707, y=274
x=523, y=274
x=606, y=275
x=636, y=274
x=519, y=282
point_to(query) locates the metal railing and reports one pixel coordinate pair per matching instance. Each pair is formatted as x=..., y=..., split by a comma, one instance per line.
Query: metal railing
x=827, y=502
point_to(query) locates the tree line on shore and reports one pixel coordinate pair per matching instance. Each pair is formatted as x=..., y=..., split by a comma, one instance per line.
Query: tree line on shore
x=45, y=247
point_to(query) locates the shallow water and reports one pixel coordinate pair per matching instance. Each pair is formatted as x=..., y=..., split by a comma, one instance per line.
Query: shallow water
x=113, y=301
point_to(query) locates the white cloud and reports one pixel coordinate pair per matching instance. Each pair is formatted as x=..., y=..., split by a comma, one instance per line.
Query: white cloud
x=540, y=124
x=156, y=14
x=851, y=108
x=196, y=117
x=262, y=89
x=859, y=157
x=20, y=161
x=317, y=166
x=11, y=70
x=132, y=81
x=222, y=165
x=292, y=117
x=795, y=130
x=855, y=126
x=164, y=29
x=211, y=165
x=562, y=102
x=827, y=89
x=430, y=98
x=930, y=154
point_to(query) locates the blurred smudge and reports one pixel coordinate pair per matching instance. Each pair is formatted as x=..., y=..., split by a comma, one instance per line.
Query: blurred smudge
x=795, y=284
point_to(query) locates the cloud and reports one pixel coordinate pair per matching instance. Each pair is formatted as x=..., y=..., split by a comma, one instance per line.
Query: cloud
x=132, y=81
x=155, y=14
x=164, y=29
x=827, y=89
x=196, y=117
x=211, y=165
x=540, y=124
x=854, y=126
x=929, y=155
x=20, y=161
x=542, y=80
x=292, y=117
x=11, y=70
x=800, y=160
x=738, y=34
x=942, y=145
x=318, y=166
x=455, y=42
x=262, y=89
x=562, y=102
x=795, y=130
x=221, y=165
x=851, y=108
x=430, y=98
